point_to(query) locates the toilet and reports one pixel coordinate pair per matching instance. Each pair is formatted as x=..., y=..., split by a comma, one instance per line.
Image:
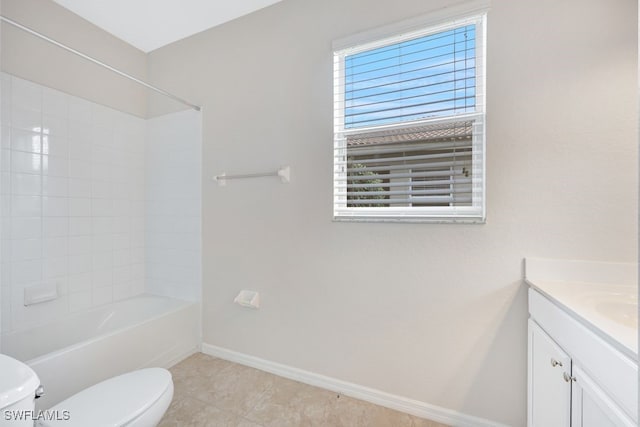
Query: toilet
x=18, y=386
x=135, y=399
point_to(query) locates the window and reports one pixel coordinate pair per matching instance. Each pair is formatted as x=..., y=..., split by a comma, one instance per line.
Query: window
x=409, y=126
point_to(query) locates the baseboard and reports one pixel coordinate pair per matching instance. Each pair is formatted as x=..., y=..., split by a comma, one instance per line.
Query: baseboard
x=391, y=401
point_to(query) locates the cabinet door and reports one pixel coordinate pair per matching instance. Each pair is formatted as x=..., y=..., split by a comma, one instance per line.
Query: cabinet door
x=591, y=407
x=549, y=391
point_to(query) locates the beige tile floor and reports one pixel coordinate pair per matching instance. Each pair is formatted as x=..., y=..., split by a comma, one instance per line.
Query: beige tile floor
x=215, y=392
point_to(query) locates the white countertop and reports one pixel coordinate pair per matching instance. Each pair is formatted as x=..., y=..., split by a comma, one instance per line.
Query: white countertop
x=608, y=305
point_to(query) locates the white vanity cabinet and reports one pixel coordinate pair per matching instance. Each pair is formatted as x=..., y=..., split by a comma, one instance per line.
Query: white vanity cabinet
x=549, y=392
x=575, y=378
x=590, y=405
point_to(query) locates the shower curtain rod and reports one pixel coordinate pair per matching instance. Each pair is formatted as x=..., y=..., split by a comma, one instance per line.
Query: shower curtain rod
x=95, y=61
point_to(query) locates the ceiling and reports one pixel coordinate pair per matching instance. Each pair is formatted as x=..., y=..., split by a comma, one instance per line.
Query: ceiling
x=150, y=24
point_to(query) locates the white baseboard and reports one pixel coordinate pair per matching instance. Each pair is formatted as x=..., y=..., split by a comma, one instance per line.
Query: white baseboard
x=399, y=403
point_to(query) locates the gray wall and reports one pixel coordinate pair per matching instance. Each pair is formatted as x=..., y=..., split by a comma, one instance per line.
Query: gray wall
x=30, y=58
x=435, y=313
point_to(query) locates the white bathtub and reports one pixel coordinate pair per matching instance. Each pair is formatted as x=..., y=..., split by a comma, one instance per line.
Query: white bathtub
x=78, y=351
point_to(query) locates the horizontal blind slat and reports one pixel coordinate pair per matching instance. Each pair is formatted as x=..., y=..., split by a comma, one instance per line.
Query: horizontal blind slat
x=398, y=175
x=413, y=114
x=437, y=191
x=392, y=167
x=410, y=160
x=343, y=183
x=424, y=199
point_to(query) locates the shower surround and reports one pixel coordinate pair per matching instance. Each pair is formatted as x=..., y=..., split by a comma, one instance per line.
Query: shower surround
x=97, y=204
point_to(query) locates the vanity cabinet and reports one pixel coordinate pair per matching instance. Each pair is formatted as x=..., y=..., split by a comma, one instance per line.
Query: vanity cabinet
x=575, y=379
x=549, y=392
x=591, y=407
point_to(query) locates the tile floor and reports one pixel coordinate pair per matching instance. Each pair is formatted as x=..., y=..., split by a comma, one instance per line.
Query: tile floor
x=215, y=392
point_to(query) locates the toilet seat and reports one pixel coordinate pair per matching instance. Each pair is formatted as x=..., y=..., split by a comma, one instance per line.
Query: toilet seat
x=118, y=401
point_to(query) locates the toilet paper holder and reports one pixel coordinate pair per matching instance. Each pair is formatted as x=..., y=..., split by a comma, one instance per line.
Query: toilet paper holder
x=247, y=298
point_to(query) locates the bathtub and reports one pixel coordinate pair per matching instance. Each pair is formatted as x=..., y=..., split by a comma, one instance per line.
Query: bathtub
x=80, y=350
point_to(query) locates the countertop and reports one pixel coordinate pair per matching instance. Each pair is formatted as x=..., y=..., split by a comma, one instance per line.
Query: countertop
x=608, y=306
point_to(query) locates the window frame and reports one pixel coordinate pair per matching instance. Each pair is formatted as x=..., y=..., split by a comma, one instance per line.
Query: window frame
x=476, y=213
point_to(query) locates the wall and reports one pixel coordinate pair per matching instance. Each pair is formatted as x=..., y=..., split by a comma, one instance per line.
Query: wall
x=72, y=189
x=26, y=56
x=173, y=206
x=435, y=313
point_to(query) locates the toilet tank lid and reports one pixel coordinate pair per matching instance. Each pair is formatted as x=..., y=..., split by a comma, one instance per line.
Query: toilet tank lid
x=115, y=401
x=17, y=381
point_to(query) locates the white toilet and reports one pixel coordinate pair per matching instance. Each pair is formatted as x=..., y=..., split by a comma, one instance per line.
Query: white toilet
x=136, y=399
x=18, y=385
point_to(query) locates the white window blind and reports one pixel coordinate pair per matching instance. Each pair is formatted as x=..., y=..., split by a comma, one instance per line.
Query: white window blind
x=409, y=126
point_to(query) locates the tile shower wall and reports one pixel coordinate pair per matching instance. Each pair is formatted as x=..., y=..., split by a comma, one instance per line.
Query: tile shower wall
x=72, y=200
x=173, y=220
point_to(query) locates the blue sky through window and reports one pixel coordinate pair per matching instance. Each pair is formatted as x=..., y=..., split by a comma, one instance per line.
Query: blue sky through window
x=430, y=76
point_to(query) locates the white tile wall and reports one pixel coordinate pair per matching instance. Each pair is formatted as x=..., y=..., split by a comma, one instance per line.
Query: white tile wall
x=72, y=202
x=173, y=200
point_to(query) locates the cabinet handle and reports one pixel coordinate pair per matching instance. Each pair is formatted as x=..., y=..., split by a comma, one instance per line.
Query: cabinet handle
x=568, y=378
x=555, y=363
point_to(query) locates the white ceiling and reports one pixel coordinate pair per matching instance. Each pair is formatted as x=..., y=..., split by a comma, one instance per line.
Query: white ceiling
x=150, y=24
